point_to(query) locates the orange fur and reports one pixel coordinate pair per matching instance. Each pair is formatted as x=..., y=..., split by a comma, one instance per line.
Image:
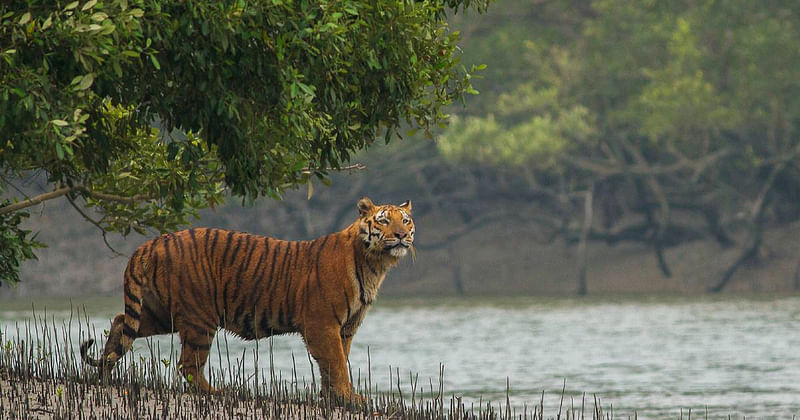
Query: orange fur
x=196, y=281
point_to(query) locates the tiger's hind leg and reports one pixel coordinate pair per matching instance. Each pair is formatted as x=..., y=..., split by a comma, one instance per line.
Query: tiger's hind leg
x=195, y=347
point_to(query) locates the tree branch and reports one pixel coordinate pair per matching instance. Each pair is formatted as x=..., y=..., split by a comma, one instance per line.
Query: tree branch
x=96, y=224
x=608, y=169
x=34, y=200
x=66, y=190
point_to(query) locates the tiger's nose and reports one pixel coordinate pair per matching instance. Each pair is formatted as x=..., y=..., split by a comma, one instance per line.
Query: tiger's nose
x=400, y=234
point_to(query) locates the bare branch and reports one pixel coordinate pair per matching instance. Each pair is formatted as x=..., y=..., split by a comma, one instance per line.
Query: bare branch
x=35, y=200
x=97, y=224
x=353, y=167
x=113, y=197
x=66, y=190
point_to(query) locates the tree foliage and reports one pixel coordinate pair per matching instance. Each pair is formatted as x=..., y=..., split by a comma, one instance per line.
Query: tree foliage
x=674, y=120
x=146, y=109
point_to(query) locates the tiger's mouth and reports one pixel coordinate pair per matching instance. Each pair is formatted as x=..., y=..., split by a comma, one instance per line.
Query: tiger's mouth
x=398, y=249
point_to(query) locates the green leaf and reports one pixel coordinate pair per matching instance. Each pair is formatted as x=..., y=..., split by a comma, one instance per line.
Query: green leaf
x=89, y=4
x=86, y=82
x=60, y=123
x=26, y=17
x=71, y=6
x=155, y=62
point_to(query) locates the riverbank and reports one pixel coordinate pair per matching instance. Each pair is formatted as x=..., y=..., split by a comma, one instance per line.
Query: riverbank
x=37, y=398
x=498, y=258
x=24, y=396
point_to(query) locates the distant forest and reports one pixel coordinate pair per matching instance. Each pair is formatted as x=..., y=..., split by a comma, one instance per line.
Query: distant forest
x=641, y=125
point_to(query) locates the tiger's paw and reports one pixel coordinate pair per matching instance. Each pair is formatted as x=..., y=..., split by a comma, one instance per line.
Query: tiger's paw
x=348, y=399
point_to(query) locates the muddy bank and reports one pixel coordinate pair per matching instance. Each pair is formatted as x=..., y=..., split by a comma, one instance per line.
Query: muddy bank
x=501, y=258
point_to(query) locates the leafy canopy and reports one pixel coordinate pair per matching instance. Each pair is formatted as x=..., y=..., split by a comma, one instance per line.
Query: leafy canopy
x=145, y=109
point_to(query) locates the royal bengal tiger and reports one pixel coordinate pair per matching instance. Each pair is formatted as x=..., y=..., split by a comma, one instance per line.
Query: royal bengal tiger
x=199, y=280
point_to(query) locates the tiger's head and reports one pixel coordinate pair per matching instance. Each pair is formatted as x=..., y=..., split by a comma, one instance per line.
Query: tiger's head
x=386, y=229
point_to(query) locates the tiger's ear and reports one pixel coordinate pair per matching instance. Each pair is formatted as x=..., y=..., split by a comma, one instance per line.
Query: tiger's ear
x=406, y=206
x=365, y=205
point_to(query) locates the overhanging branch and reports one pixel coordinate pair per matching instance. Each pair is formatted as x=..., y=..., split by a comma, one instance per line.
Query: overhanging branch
x=35, y=200
x=66, y=190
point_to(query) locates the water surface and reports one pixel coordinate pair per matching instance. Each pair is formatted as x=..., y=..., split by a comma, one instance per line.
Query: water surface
x=650, y=356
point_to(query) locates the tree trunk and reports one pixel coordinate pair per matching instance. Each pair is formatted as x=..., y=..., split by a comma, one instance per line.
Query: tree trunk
x=583, y=288
x=756, y=231
x=455, y=264
x=749, y=254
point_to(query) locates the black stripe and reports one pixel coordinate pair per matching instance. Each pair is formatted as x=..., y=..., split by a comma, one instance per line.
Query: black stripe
x=263, y=284
x=276, y=278
x=128, y=331
x=336, y=315
x=251, y=245
x=156, y=281
x=196, y=326
x=247, y=327
x=228, y=242
x=135, y=261
x=238, y=247
x=131, y=312
x=194, y=249
x=238, y=314
x=264, y=323
x=196, y=293
x=280, y=317
x=129, y=294
x=289, y=276
x=317, y=260
x=206, y=273
x=256, y=293
x=284, y=265
x=211, y=245
x=347, y=299
x=179, y=241
x=211, y=278
x=262, y=258
x=167, y=254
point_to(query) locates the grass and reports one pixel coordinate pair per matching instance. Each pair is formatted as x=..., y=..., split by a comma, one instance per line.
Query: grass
x=42, y=376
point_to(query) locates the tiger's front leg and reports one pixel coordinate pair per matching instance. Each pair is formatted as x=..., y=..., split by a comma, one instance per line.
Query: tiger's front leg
x=326, y=347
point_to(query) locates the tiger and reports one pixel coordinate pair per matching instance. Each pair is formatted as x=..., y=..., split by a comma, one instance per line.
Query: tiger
x=199, y=280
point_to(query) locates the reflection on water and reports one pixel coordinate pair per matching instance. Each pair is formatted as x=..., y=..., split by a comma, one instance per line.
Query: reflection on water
x=656, y=356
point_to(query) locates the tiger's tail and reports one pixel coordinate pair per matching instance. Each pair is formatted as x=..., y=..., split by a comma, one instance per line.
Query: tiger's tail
x=85, y=355
x=125, y=327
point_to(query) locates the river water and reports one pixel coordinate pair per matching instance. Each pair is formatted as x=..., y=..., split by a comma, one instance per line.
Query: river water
x=649, y=357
